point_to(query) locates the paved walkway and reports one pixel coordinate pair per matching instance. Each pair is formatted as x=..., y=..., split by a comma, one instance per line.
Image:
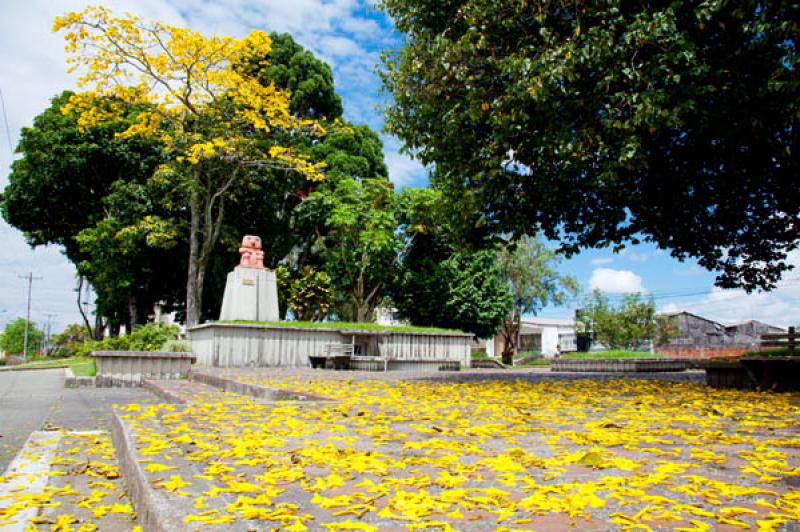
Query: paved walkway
x=30, y=400
x=26, y=398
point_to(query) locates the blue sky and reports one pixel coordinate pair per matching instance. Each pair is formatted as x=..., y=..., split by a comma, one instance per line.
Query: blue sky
x=349, y=35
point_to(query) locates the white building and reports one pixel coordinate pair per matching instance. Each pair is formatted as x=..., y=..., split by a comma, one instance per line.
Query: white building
x=539, y=335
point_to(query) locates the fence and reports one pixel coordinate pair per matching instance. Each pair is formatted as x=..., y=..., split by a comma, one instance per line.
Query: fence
x=784, y=341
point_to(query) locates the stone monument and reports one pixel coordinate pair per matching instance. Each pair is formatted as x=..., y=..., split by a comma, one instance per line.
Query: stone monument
x=251, y=291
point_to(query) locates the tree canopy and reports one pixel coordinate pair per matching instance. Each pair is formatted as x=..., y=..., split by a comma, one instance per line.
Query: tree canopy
x=440, y=283
x=627, y=325
x=200, y=97
x=611, y=123
x=12, y=341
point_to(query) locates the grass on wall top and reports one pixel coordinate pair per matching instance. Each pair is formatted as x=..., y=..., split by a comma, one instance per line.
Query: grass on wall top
x=344, y=325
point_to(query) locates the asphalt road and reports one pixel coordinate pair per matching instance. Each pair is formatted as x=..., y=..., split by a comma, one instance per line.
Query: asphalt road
x=31, y=400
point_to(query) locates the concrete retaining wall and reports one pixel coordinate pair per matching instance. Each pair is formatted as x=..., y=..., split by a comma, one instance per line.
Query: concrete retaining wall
x=130, y=368
x=229, y=345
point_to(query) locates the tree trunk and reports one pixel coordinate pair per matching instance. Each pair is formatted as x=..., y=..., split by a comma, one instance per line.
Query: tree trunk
x=81, y=310
x=207, y=213
x=99, y=327
x=193, y=295
x=510, y=333
x=132, y=313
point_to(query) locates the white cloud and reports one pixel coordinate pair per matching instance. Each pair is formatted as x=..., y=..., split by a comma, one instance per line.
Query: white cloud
x=615, y=281
x=602, y=260
x=778, y=307
x=403, y=170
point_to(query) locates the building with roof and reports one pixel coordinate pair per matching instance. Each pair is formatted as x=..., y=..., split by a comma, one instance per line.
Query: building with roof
x=545, y=336
x=702, y=337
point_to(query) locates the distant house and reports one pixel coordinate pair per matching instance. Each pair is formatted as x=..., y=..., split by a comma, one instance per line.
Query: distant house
x=699, y=337
x=752, y=329
x=696, y=331
x=543, y=336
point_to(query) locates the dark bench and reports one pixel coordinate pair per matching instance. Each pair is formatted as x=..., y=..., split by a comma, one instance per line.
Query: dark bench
x=338, y=354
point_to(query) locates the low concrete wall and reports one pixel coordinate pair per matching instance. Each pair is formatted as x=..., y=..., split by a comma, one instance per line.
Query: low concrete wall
x=130, y=368
x=71, y=381
x=233, y=345
x=619, y=365
x=778, y=373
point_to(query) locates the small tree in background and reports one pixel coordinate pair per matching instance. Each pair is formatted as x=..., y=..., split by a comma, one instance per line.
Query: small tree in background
x=360, y=248
x=529, y=267
x=311, y=295
x=13, y=339
x=69, y=341
x=625, y=326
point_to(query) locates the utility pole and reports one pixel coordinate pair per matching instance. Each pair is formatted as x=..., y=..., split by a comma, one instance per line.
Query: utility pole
x=47, y=335
x=30, y=279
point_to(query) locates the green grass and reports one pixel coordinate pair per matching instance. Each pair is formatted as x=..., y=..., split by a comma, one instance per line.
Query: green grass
x=784, y=352
x=84, y=369
x=81, y=366
x=612, y=354
x=343, y=325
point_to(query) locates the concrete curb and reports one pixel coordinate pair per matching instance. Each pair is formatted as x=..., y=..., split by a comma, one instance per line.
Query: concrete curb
x=157, y=510
x=15, y=368
x=163, y=393
x=33, y=475
x=255, y=390
x=153, y=510
x=71, y=381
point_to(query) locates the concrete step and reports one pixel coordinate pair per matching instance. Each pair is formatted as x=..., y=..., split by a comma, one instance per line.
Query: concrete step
x=191, y=466
x=263, y=393
x=185, y=391
x=65, y=479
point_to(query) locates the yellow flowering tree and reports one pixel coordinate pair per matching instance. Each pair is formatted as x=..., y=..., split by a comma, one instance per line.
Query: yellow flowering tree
x=197, y=98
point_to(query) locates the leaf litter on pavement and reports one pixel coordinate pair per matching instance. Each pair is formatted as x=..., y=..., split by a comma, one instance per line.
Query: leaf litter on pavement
x=625, y=454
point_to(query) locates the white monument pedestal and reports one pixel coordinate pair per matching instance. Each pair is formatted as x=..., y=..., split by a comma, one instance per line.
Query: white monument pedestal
x=251, y=294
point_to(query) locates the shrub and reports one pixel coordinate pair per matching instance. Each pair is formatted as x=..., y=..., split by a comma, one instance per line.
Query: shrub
x=68, y=343
x=148, y=337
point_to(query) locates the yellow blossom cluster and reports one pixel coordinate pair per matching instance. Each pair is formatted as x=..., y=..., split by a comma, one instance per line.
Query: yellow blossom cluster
x=175, y=79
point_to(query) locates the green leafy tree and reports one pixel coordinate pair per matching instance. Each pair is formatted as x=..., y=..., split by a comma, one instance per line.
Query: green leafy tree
x=69, y=341
x=624, y=326
x=603, y=123
x=56, y=188
x=311, y=295
x=268, y=202
x=126, y=252
x=309, y=80
x=441, y=282
x=360, y=246
x=478, y=300
x=530, y=268
x=13, y=339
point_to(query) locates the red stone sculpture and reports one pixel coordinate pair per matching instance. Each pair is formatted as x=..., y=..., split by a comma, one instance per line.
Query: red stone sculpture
x=251, y=254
